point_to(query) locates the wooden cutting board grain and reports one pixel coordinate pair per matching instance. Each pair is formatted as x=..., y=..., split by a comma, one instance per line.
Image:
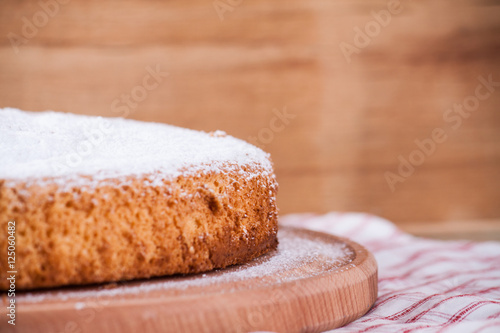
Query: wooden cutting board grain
x=312, y=282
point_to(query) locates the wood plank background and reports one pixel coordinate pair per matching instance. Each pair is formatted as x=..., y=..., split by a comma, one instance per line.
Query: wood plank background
x=352, y=119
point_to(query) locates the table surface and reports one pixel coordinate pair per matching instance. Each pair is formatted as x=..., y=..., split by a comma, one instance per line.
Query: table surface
x=477, y=230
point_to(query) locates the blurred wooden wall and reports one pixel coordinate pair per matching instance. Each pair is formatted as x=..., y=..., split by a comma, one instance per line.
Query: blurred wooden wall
x=352, y=119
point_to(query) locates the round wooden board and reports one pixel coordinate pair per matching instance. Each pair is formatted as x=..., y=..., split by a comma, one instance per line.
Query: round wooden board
x=313, y=282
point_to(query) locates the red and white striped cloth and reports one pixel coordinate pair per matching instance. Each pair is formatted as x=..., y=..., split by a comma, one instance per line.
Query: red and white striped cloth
x=424, y=285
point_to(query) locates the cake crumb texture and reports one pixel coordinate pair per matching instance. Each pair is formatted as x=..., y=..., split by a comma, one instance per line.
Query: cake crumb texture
x=122, y=232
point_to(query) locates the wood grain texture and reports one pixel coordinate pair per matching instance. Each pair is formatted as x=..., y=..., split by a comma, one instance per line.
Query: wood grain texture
x=479, y=230
x=302, y=296
x=352, y=120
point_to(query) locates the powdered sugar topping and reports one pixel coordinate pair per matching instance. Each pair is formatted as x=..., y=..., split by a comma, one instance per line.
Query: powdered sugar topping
x=64, y=147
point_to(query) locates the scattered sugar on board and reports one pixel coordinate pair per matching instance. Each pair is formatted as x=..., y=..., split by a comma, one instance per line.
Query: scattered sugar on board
x=39, y=147
x=297, y=257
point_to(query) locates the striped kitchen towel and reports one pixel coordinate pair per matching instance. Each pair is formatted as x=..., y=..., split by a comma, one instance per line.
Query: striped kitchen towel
x=424, y=285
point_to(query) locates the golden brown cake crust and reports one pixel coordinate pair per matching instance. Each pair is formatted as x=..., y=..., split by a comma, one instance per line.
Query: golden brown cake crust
x=134, y=228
